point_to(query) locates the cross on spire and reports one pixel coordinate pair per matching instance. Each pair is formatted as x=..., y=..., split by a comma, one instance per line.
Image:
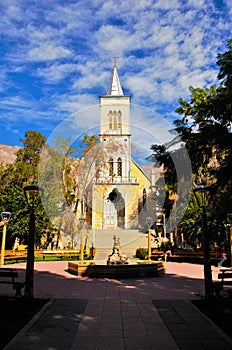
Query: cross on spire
x=115, y=85
x=115, y=60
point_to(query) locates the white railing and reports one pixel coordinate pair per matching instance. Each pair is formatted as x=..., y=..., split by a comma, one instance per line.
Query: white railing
x=116, y=180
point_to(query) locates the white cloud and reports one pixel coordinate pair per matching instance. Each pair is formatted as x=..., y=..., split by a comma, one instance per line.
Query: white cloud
x=56, y=72
x=115, y=40
x=76, y=103
x=162, y=35
x=15, y=101
x=140, y=85
x=47, y=52
x=11, y=10
x=163, y=47
x=196, y=3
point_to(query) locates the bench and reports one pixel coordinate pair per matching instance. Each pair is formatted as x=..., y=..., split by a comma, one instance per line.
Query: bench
x=157, y=256
x=15, y=258
x=60, y=254
x=8, y=276
x=194, y=257
x=225, y=274
x=18, y=256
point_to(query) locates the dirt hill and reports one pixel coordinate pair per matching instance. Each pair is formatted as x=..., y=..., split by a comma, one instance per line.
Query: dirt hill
x=7, y=153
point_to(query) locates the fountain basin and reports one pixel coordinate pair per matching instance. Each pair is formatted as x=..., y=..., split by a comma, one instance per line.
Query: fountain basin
x=153, y=269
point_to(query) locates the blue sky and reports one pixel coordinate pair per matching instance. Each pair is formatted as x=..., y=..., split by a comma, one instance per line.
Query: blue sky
x=57, y=57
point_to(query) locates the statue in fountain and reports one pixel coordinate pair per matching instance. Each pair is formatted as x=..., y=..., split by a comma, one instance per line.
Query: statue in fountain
x=117, y=258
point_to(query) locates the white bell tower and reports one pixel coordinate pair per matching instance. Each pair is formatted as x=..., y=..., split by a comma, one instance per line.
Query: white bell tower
x=115, y=130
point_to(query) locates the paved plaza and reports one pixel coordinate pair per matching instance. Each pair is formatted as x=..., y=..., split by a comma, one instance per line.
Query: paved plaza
x=106, y=314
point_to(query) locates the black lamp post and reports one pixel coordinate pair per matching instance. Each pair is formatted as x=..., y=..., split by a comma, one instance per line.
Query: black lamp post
x=202, y=200
x=229, y=221
x=31, y=194
x=5, y=215
x=149, y=222
x=82, y=221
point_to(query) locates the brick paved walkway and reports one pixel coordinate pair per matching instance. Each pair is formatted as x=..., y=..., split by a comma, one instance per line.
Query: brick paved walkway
x=103, y=314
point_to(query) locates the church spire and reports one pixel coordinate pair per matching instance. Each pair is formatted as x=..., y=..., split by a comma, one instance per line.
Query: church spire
x=115, y=88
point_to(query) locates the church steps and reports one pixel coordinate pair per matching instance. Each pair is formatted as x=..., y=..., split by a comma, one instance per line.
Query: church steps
x=130, y=240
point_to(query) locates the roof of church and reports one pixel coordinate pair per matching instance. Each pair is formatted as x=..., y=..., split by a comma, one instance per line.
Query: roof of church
x=142, y=170
x=115, y=88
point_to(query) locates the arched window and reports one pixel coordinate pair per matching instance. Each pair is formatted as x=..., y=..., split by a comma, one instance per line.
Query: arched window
x=111, y=167
x=119, y=119
x=110, y=120
x=115, y=120
x=119, y=167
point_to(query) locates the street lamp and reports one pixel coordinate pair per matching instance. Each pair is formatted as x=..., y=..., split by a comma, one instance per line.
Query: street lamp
x=229, y=221
x=174, y=197
x=31, y=193
x=149, y=222
x=5, y=216
x=202, y=201
x=165, y=229
x=162, y=222
x=82, y=221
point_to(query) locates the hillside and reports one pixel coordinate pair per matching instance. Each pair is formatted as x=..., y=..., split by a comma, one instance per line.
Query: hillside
x=7, y=153
x=7, y=156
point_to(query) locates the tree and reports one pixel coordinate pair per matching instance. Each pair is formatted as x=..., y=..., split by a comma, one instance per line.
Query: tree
x=205, y=127
x=66, y=173
x=13, y=178
x=223, y=104
x=28, y=157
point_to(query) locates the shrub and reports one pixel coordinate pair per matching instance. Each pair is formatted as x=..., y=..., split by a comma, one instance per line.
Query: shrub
x=141, y=253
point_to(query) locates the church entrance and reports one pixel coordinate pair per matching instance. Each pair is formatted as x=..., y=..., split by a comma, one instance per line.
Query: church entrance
x=114, y=210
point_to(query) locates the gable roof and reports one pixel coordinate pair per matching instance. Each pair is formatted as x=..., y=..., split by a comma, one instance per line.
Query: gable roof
x=142, y=171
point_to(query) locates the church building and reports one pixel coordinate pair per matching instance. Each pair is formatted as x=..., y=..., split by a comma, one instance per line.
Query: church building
x=120, y=191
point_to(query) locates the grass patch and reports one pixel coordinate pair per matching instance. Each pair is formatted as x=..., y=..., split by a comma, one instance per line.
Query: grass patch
x=48, y=258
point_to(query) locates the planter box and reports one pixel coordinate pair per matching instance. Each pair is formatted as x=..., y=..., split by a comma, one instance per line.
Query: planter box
x=78, y=268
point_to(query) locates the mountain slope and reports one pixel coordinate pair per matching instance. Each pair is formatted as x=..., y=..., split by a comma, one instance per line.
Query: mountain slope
x=7, y=153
